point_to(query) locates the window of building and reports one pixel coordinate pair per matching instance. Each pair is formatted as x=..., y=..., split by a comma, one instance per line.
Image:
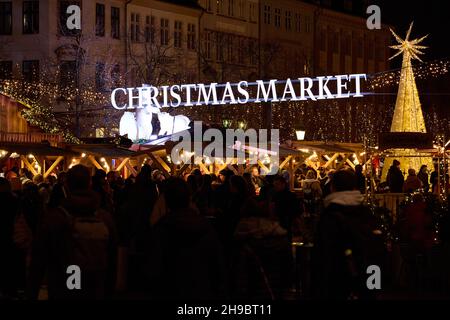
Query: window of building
x=138, y=27
x=359, y=47
x=63, y=16
x=67, y=74
x=346, y=45
x=100, y=20
x=219, y=46
x=150, y=29
x=307, y=24
x=219, y=6
x=100, y=76
x=252, y=12
x=30, y=70
x=266, y=14
x=209, y=5
x=277, y=17
x=323, y=40
x=252, y=51
x=6, y=70
x=208, y=44
x=241, y=8
x=335, y=42
x=177, y=34
x=370, y=49
x=164, y=32
x=132, y=33
x=5, y=18
x=288, y=22
x=115, y=76
x=230, y=47
x=115, y=23
x=231, y=8
x=297, y=22
x=307, y=67
x=379, y=51
x=191, y=36
x=30, y=17
x=241, y=52
x=135, y=27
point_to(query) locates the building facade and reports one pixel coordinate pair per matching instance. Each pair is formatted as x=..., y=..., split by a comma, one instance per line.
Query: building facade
x=286, y=36
x=163, y=43
x=229, y=36
x=123, y=42
x=35, y=37
x=343, y=44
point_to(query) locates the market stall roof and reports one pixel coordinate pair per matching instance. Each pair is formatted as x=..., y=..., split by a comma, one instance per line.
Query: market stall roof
x=288, y=151
x=104, y=150
x=146, y=148
x=321, y=146
x=37, y=149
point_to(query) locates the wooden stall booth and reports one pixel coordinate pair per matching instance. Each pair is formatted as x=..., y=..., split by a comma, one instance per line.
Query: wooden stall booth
x=38, y=158
x=109, y=157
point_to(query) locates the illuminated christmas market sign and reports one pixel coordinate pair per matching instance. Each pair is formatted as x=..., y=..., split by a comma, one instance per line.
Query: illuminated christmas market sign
x=188, y=95
x=140, y=103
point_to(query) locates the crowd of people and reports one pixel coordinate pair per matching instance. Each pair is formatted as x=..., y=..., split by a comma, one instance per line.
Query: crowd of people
x=423, y=180
x=199, y=236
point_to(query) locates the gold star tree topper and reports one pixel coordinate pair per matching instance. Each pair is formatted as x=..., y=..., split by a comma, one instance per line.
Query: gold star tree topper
x=408, y=47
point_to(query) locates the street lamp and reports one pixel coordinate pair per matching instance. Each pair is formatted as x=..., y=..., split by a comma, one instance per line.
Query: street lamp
x=300, y=130
x=300, y=134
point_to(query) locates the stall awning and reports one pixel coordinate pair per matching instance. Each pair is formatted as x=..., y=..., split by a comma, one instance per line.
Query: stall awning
x=335, y=147
x=103, y=150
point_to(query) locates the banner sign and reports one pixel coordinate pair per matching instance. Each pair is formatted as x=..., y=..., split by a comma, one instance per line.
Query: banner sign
x=300, y=89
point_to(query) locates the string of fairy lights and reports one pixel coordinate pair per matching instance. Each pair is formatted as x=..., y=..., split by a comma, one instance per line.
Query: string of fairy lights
x=424, y=70
x=323, y=120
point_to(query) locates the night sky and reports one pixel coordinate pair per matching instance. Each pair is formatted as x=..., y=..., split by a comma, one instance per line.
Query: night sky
x=430, y=17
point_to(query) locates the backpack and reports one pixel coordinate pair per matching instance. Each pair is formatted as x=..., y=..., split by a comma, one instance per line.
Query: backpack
x=89, y=242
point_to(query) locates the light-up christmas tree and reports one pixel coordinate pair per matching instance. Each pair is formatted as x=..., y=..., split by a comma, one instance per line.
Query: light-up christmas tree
x=408, y=116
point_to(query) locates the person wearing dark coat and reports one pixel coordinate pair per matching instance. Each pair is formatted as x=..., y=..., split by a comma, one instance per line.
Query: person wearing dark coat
x=222, y=192
x=185, y=260
x=10, y=209
x=412, y=182
x=423, y=176
x=434, y=178
x=263, y=256
x=54, y=247
x=360, y=179
x=286, y=205
x=342, y=252
x=395, y=178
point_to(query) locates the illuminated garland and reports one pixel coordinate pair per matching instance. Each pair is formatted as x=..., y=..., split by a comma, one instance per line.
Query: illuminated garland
x=425, y=70
x=323, y=120
x=35, y=113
